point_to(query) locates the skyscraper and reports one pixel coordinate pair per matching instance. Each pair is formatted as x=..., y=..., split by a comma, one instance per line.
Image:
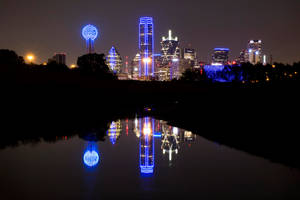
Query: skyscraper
x=254, y=52
x=146, y=47
x=190, y=55
x=59, y=58
x=134, y=70
x=242, y=57
x=220, y=56
x=169, y=49
x=114, y=60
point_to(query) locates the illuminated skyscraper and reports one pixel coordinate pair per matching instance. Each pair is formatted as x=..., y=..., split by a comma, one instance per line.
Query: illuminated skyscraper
x=190, y=56
x=220, y=56
x=169, y=49
x=254, y=52
x=146, y=47
x=114, y=60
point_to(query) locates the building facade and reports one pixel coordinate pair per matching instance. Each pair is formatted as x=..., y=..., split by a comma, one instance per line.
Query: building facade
x=220, y=56
x=146, y=48
x=254, y=52
x=114, y=61
x=59, y=58
x=169, y=49
x=190, y=56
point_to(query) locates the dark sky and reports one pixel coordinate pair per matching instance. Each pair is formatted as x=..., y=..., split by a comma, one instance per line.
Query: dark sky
x=45, y=27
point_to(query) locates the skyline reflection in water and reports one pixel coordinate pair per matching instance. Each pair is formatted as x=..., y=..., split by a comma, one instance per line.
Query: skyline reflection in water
x=143, y=158
x=148, y=130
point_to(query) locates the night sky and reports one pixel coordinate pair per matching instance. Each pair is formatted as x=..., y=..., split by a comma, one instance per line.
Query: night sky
x=45, y=27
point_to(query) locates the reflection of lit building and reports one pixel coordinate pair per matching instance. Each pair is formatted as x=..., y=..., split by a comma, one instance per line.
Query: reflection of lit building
x=114, y=131
x=146, y=145
x=189, y=136
x=170, y=141
x=220, y=56
x=114, y=60
x=169, y=49
x=146, y=48
x=254, y=52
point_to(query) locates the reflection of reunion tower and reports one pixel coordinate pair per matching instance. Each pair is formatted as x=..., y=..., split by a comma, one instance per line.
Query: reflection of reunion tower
x=90, y=33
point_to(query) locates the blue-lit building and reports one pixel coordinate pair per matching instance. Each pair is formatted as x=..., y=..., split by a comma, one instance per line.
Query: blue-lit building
x=114, y=60
x=146, y=48
x=90, y=33
x=220, y=56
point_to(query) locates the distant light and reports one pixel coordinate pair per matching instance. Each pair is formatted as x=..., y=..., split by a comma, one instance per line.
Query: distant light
x=90, y=32
x=216, y=64
x=91, y=158
x=175, y=60
x=221, y=49
x=73, y=66
x=147, y=60
x=265, y=60
x=175, y=130
x=257, y=53
x=251, y=41
x=157, y=135
x=30, y=58
x=250, y=50
x=44, y=63
x=147, y=129
x=259, y=41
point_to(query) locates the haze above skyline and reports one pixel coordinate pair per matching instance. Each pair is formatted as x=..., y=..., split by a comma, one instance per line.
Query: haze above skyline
x=46, y=27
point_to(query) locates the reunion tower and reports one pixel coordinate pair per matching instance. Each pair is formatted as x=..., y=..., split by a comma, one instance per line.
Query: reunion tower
x=90, y=33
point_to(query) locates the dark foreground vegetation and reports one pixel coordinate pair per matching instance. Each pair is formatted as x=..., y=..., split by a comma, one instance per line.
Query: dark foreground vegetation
x=259, y=117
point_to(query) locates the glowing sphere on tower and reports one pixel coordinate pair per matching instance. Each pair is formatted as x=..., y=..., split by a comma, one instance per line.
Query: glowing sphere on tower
x=90, y=32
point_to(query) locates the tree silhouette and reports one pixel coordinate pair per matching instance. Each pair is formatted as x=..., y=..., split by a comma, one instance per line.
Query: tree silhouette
x=194, y=75
x=94, y=64
x=55, y=67
x=10, y=61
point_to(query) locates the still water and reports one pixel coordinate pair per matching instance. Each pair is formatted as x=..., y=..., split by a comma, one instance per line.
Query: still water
x=142, y=159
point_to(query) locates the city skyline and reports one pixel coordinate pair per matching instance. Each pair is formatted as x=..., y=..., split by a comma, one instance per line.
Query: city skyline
x=205, y=30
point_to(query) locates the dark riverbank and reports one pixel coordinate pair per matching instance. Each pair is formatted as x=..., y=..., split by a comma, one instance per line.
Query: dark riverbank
x=261, y=119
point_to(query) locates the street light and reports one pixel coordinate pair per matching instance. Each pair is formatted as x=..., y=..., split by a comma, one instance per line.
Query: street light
x=30, y=58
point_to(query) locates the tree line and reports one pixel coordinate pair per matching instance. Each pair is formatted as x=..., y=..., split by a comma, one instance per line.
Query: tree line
x=89, y=64
x=246, y=73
